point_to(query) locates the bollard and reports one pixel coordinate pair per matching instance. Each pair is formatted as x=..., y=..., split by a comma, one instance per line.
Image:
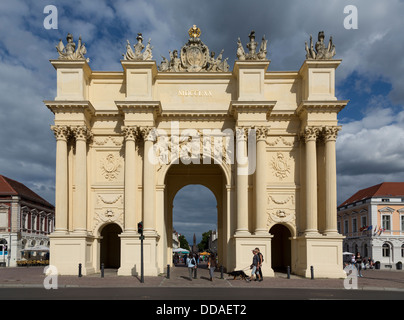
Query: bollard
x=288, y=271
x=168, y=271
x=221, y=272
x=195, y=275
x=312, y=272
x=102, y=270
x=80, y=275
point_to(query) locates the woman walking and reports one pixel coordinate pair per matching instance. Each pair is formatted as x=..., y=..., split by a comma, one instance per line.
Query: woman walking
x=212, y=265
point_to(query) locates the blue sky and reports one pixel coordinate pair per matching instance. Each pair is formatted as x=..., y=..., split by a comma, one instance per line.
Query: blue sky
x=371, y=76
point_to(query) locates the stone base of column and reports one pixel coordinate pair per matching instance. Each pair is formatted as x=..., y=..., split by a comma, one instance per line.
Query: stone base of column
x=68, y=250
x=324, y=253
x=243, y=246
x=131, y=255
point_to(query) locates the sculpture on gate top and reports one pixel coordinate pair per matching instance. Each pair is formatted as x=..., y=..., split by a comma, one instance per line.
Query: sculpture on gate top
x=194, y=57
x=137, y=54
x=70, y=51
x=320, y=51
x=252, y=49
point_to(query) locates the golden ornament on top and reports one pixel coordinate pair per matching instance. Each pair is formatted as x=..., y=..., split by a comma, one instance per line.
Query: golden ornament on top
x=194, y=32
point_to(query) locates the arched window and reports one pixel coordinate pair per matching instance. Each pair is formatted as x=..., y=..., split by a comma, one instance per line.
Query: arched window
x=402, y=251
x=386, y=250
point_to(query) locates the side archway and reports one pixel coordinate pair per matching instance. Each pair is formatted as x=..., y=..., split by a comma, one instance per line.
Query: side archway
x=110, y=246
x=281, y=253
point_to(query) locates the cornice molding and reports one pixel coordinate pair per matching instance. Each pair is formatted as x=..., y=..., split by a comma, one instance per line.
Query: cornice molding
x=70, y=107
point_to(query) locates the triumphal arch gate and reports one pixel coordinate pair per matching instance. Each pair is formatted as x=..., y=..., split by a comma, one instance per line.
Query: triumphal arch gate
x=263, y=142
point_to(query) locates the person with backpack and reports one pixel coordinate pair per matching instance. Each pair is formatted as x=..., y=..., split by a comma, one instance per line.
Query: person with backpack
x=261, y=260
x=191, y=264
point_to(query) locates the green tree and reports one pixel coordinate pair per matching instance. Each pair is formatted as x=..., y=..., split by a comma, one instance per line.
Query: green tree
x=183, y=242
x=204, y=244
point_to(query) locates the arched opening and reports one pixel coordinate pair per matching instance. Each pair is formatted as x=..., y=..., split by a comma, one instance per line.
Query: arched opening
x=196, y=195
x=194, y=213
x=110, y=253
x=280, y=248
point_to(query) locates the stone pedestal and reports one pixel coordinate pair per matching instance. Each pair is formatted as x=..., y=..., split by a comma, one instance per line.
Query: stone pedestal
x=324, y=253
x=243, y=246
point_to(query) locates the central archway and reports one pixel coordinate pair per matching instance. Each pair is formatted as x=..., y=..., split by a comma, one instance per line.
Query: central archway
x=194, y=212
x=211, y=176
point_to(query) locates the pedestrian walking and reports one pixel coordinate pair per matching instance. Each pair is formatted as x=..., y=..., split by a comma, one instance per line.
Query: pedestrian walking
x=254, y=267
x=358, y=262
x=191, y=264
x=212, y=265
x=261, y=260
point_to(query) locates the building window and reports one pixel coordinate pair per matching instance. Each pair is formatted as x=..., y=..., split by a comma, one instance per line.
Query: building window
x=346, y=227
x=386, y=222
x=402, y=251
x=386, y=250
x=363, y=221
x=402, y=223
x=385, y=200
x=339, y=227
x=354, y=225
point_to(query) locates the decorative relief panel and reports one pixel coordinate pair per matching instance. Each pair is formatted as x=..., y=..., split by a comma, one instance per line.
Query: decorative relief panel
x=281, y=209
x=111, y=166
x=109, y=208
x=281, y=165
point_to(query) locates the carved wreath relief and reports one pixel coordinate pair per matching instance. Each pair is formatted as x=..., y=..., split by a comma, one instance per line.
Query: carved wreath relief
x=280, y=166
x=110, y=167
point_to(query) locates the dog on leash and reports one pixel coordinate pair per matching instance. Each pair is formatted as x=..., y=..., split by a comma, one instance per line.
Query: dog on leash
x=238, y=274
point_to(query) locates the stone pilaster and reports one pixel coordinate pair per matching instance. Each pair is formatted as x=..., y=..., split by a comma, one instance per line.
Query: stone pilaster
x=330, y=136
x=261, y=182
x=81, y=134
x=149, y=223
x=310, y=136
x=61, y=193
x=242, y=180
x=130, y=222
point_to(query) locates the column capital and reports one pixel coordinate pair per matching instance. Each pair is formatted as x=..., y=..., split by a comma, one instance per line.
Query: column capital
x=130, y=132
x=311, y=133
x=330, y=133
x=242, y=133
x=262, y=133
x=148, y=133
x=81, y=133
x=61, y=132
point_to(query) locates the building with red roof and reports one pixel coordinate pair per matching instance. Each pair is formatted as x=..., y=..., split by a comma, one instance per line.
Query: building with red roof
x=372, y=221
x=26, y=220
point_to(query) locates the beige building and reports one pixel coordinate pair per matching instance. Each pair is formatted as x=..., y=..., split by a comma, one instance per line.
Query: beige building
x=372, y=221
x=263, y=142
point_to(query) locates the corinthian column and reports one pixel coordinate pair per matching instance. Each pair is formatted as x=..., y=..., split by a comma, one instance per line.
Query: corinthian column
x=61, y=192
x=149, y=223
x=242, y=181
x=130, y=178
x=261, y=182
x=80, y=177
x=310, y=135
x=330, y=135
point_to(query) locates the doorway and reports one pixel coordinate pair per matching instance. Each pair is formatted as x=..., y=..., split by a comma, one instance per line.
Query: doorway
x=111, y=246
x=280, y=248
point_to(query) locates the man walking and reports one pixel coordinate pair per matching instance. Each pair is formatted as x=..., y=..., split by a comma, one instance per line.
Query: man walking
x=191, y=264
x=261, y=260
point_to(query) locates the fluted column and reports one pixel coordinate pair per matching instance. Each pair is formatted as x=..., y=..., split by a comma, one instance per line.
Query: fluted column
x=242, y=181
x=61, y=192
x=261, y=182
x=149, y=223
x=130, y=178
x=80, y=178
x=310, y=135
x=330, y=136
